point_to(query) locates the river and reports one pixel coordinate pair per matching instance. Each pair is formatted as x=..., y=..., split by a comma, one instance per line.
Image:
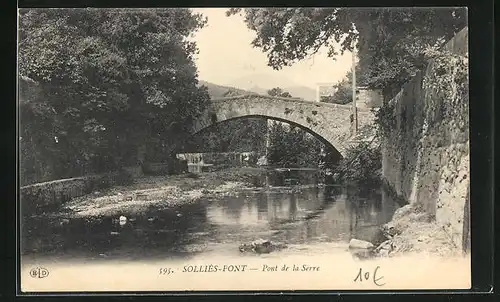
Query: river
x=296, y=216
x=196, y=246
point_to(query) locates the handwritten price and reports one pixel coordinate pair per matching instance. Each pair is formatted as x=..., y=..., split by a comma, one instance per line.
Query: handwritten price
x=366, y=276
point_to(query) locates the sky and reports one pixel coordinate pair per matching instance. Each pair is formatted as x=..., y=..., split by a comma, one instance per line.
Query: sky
x=225, y=54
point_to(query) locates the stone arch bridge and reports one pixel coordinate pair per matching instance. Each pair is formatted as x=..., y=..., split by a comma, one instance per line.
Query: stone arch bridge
x=330, y=123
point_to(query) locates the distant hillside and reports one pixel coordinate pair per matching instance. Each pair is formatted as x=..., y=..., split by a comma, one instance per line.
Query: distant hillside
x=261, y=83
x=218, y=91
x=303, y=92
x=259, y=90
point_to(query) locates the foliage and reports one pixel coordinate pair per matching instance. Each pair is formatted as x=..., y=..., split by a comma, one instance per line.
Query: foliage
x=291, y=34
x=343, y=89
x=292, y=147
x=110, y=79
x=231, y=92
x=279, y=92
x=384, y=119
x=342, y=95
x=448, y=79
x=239, y=135
x=395, y=42
x=361, y=164
x=391, y=41
x=447, y=83
x=218, y=91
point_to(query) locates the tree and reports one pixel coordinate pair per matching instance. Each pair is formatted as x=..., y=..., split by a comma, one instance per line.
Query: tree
x=110, y=80
x=292, y=147
x=342, y=94
x=343, y=89
x=239, y=135
x=392, y=42
x=279, y=92
x=361, y=164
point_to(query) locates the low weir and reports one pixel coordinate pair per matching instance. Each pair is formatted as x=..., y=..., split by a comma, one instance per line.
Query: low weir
x=200, y=162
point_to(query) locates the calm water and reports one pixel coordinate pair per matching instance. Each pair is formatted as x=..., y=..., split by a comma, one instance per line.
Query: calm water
x=297, y=217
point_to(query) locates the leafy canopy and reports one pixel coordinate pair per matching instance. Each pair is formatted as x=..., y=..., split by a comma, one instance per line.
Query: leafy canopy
x=279, y=92
x=109, y=79
x=391, y=41
x=306, y=151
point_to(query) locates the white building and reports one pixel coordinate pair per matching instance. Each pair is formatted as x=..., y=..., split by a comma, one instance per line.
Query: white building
x=366, y=98
x=324, y=89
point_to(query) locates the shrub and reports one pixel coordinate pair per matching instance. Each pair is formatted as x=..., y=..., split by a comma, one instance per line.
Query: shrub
x=342, y=96
x=385, y=120
x=362, y=164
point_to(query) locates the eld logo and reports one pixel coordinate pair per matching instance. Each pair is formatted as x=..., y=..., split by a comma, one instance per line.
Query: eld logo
x=39, y=272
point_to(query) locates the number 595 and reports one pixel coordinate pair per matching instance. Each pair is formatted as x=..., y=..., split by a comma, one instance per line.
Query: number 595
x=166, y=271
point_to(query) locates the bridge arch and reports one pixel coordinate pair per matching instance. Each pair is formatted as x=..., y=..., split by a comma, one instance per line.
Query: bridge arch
x=330, y=123
x=326, y=143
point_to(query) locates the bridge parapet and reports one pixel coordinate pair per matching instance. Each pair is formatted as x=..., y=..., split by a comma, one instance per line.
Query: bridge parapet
x=331, y=123
x=285, y=99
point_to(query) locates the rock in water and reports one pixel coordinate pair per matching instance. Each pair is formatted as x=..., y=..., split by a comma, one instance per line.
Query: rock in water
x=261, y=246
x=360, y=244
x=384, y=252
x=245, y=248
x=261, y=242
x=385, y=248
x=123, y=220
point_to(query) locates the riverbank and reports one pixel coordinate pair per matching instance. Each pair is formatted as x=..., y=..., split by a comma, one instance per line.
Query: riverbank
x=412, y=230
x=161, y=192
x=416, y=232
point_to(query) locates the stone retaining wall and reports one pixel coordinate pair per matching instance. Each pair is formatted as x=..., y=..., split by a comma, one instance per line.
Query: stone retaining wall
x=426, y=155
x=53, y=193
x=38, y=196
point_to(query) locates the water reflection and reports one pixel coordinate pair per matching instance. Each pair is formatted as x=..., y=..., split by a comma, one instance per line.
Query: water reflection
x=328, y=214
x=286, y=177
x=154, y=231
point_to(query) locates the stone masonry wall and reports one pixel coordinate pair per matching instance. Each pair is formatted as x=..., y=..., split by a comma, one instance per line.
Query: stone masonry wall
x=328, y=122
x=426, y=155
x=37, y=197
